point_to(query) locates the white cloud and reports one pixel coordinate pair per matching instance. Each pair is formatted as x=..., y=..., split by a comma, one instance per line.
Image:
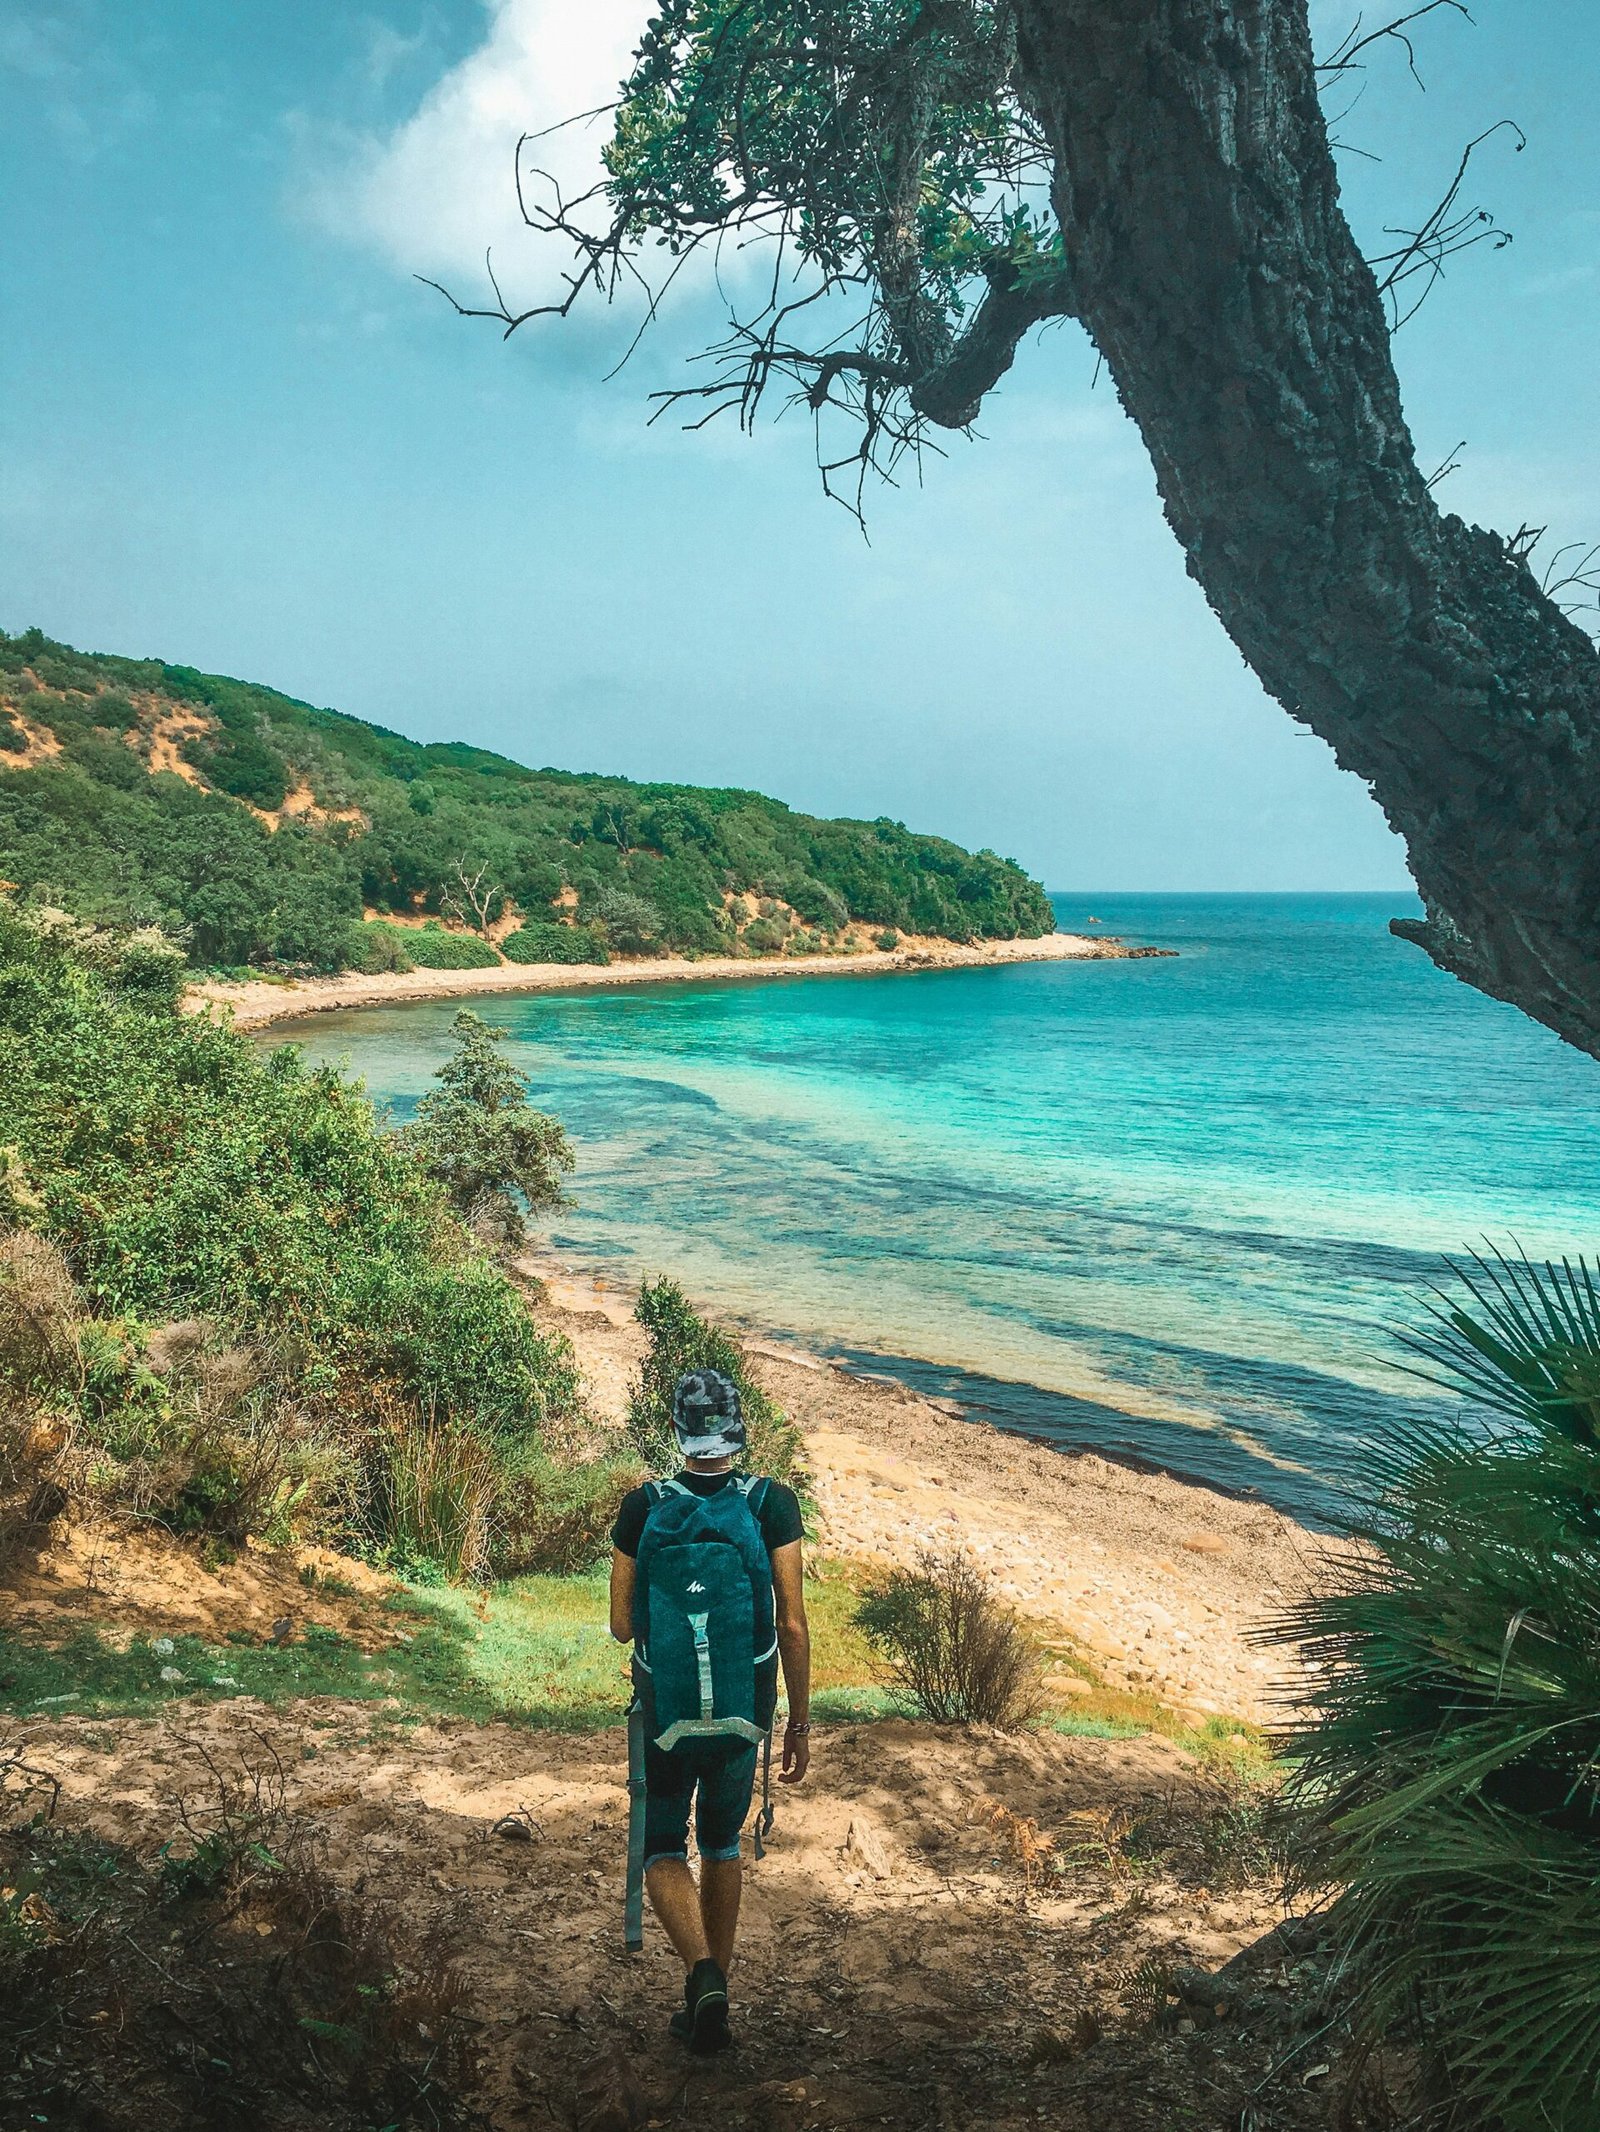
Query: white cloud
x=439, y=189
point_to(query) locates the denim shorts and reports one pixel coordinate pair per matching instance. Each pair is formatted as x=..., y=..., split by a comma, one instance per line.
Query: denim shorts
x=717, y=1776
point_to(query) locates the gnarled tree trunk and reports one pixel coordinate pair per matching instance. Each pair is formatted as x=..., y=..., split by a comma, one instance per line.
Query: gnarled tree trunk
x=1210, y=259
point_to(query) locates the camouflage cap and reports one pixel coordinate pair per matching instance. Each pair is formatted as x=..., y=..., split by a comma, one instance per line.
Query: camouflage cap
x=706, y=1416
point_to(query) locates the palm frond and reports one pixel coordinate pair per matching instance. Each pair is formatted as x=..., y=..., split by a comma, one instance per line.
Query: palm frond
x=1528, y=1349
x=1449, y=1784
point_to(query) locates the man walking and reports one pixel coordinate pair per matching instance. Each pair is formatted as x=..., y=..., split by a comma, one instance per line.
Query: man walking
x=707, y=1584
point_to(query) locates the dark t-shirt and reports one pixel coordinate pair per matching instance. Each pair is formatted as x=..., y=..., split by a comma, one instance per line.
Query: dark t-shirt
x=778, y=1514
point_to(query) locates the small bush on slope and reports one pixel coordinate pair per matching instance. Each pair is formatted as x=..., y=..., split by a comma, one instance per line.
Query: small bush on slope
x=478, y=1136
x=954, y=1649
x=1451, y=1781
x=539, y=942
x=430, y=947
x=184, y=1175
x=682, y=1341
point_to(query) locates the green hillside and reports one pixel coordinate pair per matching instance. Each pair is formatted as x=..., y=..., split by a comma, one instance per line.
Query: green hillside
x=260, y=829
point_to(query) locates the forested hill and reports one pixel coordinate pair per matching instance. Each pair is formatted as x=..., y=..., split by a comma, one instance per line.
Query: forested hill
x=261, y=830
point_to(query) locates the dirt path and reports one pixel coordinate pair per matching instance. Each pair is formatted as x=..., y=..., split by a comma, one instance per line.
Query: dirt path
x=898, y=1969
x=1163, y=1583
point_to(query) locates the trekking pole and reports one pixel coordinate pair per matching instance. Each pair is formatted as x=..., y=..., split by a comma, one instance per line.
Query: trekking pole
x=633, y=1901
x=765, y=1818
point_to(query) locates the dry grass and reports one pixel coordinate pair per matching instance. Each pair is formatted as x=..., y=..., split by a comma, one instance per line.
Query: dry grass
x=952, y=1647
x=441, y=1484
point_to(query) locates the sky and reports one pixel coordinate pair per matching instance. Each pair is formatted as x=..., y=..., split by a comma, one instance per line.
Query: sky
x=236, y=432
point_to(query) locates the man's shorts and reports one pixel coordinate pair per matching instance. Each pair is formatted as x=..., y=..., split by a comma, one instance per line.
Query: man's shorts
x=718, y=1776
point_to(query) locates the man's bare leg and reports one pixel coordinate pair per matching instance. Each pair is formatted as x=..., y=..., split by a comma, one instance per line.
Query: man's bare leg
x=721, y=1884
x=676, y=1901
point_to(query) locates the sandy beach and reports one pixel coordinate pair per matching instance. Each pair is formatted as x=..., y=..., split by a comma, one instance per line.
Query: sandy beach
x=1163, y=1583
x=254, y=1003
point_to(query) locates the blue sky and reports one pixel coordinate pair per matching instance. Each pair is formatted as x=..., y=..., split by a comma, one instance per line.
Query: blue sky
x=235, y=432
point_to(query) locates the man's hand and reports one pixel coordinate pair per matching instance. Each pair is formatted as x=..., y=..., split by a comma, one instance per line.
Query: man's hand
x=796, y=1754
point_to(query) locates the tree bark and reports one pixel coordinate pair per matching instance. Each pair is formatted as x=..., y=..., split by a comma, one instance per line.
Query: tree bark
x=1211, y=261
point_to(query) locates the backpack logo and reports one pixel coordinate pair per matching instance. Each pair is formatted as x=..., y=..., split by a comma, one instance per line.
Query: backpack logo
x=697, y=1586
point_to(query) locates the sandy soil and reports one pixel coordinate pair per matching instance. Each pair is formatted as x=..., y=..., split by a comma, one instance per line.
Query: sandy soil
x=1163, y=1583
x=254, y=1004
x=910, y=1955
x=132, y=1583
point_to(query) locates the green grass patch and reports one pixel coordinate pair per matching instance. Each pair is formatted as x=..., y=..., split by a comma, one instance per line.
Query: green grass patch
x=841, y=1657
x=1083, y=1725
x=533, y=1651
x=539, y=1657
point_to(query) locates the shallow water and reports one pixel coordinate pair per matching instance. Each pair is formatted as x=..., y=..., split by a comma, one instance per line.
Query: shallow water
x=1169, y=1207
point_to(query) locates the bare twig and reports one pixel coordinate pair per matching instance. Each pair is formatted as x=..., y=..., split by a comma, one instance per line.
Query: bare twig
x=1447, y=465
x=1445, y=231
x=1345, y=55
x=1582, y=576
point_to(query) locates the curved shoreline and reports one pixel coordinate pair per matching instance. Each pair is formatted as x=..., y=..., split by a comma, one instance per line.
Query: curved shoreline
x=1160, y=1579
x=254, y=1004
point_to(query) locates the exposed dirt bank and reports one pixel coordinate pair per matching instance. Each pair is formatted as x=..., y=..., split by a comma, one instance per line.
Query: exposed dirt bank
x=256, y=1003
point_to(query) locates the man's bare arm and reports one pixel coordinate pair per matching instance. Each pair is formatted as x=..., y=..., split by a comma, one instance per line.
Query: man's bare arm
x=794, y=1649
x=623, y=1571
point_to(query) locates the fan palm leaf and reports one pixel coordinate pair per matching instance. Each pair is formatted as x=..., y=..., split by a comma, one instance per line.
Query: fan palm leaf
x=1449, y=1784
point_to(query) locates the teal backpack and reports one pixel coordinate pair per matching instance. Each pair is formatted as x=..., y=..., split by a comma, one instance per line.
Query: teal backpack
x=704, y=1625
x=703, y=1613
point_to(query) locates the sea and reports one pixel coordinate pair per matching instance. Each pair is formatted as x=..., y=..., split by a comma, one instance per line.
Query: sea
x=1174, y=1209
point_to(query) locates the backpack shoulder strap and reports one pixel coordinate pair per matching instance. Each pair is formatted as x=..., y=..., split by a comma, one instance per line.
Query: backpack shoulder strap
x=754, y=1487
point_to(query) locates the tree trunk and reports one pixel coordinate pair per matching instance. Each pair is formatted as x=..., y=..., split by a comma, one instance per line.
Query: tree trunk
x=1212, y=264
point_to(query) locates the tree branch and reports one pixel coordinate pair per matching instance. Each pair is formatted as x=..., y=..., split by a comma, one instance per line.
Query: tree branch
x=952, y=394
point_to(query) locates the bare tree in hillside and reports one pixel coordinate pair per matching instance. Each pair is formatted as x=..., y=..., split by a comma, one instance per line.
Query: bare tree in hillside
x=939, y=177
x=475, y=898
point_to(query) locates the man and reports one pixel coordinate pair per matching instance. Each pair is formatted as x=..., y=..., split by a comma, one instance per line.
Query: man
x=706, y=1572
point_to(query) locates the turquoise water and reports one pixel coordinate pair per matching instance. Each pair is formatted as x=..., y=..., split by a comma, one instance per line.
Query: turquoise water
x=1166, y=1207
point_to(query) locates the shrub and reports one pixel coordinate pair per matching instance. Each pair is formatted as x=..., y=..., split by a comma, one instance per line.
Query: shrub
x=177, y=1173
x=241, y=764
x=817, y=904
x=539, y=941
x=632, y=923
x=430, y=947
x=54, y=713
x=766, y=936
x=40, y=1311
x=12, y=738
x=113, y=710
x=952, y=1646
x=376, y=948
x=479, y=1136
x=887, y=941
x=681, y=1341
x=557, y=1520
x=1448, y=1783
x=179, y=1429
